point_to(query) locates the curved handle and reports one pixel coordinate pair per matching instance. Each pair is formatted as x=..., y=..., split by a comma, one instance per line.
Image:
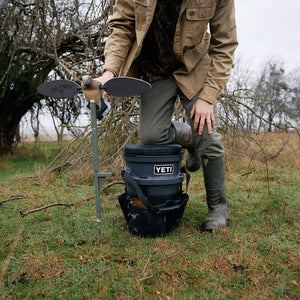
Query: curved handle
x=129, y=179
x=169, y=208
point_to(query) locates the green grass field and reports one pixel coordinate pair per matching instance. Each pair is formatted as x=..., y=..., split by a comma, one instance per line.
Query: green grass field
x=55, y=254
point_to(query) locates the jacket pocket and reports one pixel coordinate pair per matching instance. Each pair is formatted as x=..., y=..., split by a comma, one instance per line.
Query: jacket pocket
x=195, y=24
x=199, y=14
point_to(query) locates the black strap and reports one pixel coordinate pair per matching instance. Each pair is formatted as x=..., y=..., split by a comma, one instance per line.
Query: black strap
x=129, y=179
x=187, y=177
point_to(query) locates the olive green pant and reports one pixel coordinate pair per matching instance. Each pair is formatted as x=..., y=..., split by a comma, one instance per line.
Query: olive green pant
x=156, y=109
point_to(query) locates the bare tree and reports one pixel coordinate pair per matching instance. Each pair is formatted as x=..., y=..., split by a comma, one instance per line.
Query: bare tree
x=41, y=39
x=261, y=101
x=271, y=91
x=34, y=120
x=293, y=102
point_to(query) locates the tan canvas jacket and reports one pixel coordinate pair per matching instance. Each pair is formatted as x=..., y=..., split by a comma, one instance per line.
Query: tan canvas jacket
x=207, y=58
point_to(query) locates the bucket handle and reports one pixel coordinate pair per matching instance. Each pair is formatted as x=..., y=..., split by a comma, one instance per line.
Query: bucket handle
x=129, y=179
x=187, y=179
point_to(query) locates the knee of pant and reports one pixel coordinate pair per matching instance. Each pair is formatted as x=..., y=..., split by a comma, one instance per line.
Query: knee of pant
x=211, y=145
x=149, y=137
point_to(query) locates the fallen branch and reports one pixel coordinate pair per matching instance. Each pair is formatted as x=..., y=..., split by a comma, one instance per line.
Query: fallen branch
x=52, y=205
x=19, y=197
x=111, y=184
x=68, y=204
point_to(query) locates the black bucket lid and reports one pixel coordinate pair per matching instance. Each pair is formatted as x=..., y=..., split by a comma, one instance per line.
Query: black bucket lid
x=168, y=149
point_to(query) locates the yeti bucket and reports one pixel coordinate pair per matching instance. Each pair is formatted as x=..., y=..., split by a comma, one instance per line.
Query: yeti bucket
x=153, y=202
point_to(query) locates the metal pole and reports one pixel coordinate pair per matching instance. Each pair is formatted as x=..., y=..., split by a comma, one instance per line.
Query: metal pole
x=98, y=178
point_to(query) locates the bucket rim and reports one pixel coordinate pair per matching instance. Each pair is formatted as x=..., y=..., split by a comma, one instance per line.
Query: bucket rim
x=155, y=150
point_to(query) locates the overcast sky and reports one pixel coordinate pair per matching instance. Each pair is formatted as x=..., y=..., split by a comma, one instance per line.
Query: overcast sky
x=269, y=28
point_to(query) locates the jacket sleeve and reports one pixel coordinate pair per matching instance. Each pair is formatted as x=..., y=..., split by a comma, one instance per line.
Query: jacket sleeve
x=221, y=50
x=119, y=42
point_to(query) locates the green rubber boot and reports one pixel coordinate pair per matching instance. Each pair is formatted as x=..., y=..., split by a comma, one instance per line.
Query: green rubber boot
x=214, y=178
x=184, y=137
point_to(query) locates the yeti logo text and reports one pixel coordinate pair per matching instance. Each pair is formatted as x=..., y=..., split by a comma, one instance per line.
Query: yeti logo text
x=163, y=169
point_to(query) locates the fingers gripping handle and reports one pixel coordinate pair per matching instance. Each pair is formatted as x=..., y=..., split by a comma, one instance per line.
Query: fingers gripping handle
x=92, y=89
x=102, y=106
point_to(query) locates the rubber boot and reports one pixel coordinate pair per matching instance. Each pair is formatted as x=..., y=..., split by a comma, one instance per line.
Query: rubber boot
x=184, y=137
x=214, y=179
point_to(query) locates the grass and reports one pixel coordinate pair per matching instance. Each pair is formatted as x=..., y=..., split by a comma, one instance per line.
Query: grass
x=55, y=254
x=27, y=159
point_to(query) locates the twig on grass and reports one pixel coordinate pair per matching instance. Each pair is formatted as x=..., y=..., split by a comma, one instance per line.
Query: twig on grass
x=18, y=197
x=51, y=205
x=111, y=184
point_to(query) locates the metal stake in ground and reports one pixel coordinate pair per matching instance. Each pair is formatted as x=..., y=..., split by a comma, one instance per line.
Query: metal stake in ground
x=99, y=178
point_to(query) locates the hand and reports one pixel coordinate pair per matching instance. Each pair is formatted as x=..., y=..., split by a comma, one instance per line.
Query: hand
x=202, y=112
x=90, y=86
